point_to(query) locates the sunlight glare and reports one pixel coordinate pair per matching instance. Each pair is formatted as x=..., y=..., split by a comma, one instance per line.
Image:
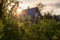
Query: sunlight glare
x=19, y=11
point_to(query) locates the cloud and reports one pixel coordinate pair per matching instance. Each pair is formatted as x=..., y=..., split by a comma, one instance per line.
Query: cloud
x=46, y=2
x=57, y=5
x=49, y=2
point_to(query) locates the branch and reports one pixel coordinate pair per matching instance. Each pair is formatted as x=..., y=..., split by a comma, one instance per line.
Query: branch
x=7, y=4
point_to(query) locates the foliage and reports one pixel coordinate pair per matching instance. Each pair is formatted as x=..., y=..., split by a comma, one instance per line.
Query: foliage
x=45, y=29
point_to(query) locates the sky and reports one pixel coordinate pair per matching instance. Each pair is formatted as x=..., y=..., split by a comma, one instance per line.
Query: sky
x=52, y=3
x=46, y=2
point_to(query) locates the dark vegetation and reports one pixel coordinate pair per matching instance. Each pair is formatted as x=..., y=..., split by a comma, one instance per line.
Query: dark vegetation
x=45, y=28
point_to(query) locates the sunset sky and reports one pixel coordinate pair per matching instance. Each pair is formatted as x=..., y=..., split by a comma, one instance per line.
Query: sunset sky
x=53, y=3
x=46, y=2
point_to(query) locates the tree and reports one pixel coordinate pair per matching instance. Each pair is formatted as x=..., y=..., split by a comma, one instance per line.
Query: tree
x=9, y=28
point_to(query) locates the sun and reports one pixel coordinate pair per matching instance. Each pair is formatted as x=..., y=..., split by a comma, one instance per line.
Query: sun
x=19, y=10
x=21, y=7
